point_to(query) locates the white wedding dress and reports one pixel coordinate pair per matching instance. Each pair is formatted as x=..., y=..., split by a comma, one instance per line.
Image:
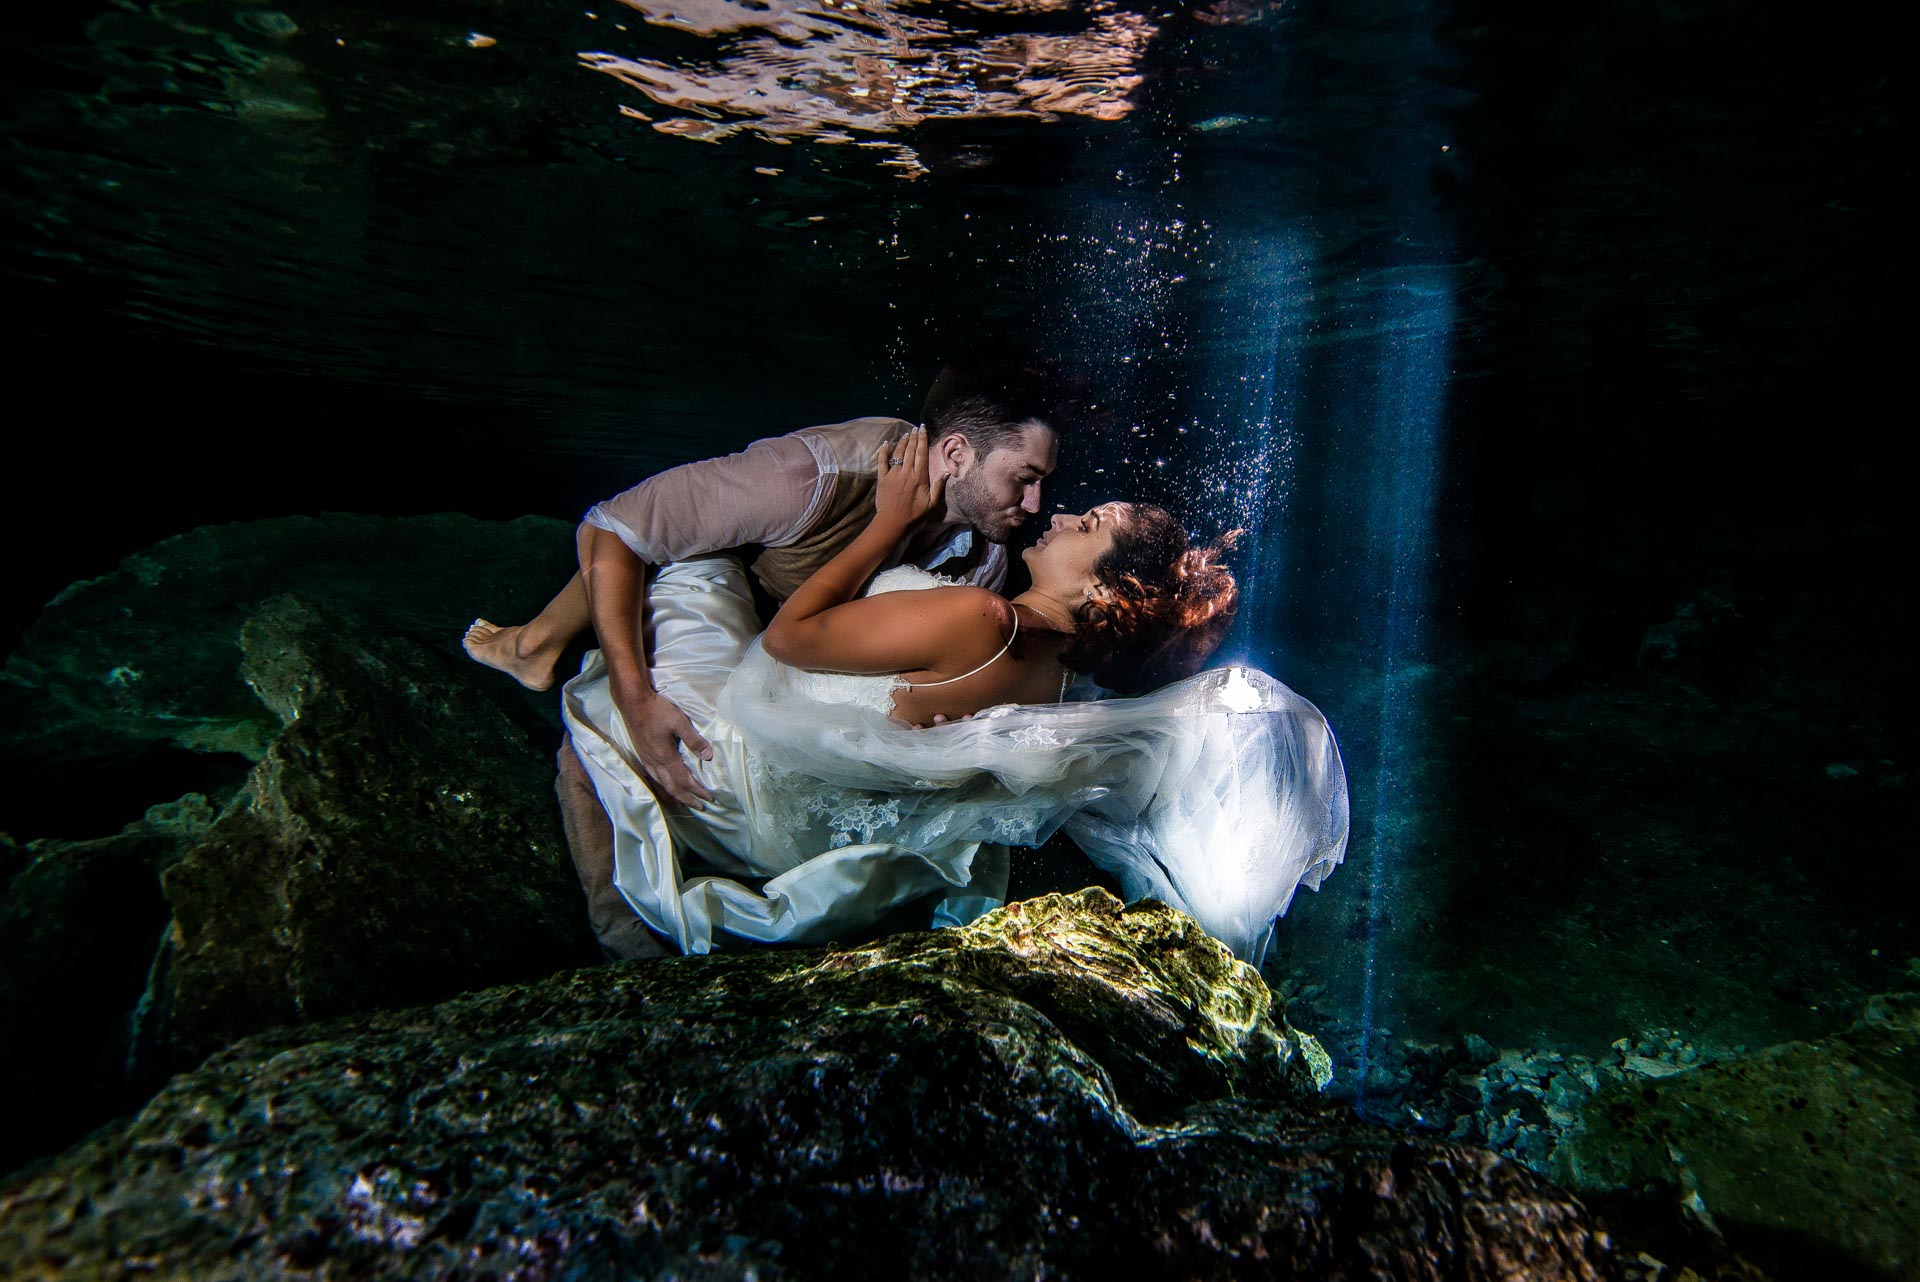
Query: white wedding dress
x=1220, y=794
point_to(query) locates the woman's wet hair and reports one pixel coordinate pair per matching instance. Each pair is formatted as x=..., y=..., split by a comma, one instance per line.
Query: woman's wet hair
x=1162, y=606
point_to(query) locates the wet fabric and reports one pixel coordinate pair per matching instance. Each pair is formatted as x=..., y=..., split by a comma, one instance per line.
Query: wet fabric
x=1220, y=794
x=799, y=498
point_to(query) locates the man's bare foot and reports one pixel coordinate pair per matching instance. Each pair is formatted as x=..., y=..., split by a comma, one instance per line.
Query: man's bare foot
x=499, y=647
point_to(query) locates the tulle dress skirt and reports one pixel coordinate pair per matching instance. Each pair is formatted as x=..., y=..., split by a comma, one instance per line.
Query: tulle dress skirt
x=1220, y=794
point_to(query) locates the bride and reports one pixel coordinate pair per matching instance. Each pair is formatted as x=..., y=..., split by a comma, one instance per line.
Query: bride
x=830, y=808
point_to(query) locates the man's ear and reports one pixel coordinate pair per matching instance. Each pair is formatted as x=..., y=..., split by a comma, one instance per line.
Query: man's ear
x=954, y=453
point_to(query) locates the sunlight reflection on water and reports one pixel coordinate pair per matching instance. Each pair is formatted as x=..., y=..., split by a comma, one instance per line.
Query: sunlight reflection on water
x=835, y=70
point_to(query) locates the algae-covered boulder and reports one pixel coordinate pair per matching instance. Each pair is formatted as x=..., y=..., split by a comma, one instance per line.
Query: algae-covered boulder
x=1063, y=1089
x=398, y=843
x=149, y=654
x=231, y=807
x=1801, y=1153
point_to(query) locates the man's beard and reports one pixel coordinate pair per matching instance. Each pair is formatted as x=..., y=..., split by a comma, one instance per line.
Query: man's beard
x=975, y=506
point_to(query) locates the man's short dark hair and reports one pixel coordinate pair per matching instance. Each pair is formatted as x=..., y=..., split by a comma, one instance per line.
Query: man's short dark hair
x=991, y=402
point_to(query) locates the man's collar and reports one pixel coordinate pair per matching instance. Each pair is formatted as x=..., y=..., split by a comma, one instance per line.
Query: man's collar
x=958, y=544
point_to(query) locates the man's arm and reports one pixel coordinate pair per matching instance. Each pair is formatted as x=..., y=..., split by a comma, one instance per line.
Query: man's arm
x=616, y=582
x=761, y=495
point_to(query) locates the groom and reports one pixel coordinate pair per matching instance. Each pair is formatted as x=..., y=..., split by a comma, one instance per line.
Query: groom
x=790, y=503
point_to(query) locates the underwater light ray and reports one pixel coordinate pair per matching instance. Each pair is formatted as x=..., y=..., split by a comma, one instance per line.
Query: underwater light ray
x=1255, y=396
x=1407, y=430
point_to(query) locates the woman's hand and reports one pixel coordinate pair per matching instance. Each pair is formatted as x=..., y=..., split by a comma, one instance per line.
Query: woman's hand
x=904, y=496
x=941, y=719
x=826, y=625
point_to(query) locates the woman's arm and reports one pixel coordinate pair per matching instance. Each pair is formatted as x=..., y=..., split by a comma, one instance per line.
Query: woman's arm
x=932, y=630
x=825, y=626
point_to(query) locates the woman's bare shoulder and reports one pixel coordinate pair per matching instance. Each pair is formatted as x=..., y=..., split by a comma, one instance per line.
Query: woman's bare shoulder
x=959, y=618
x=961, y=602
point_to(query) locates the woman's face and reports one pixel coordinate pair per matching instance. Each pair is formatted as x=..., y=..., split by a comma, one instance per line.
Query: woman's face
x=1073, y=545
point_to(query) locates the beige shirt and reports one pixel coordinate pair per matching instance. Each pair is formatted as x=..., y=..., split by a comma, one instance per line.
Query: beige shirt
x=772, y=494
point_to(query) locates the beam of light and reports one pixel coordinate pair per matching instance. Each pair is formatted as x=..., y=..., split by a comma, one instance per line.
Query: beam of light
x=1408, y=417
x=1253, y=393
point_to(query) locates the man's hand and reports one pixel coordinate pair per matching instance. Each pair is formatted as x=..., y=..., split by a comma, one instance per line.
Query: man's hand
x=658, y=728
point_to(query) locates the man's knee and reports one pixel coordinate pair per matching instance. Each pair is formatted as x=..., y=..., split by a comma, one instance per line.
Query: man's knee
x=573, y=775
x=590, y=837
x=589, y=830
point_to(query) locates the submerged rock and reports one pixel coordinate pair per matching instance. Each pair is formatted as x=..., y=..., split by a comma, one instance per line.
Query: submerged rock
x=149, y=654
x=398, y=843
x=79, y=925
x=340, y=810
x=1801, y=1153
x=1065, y=1088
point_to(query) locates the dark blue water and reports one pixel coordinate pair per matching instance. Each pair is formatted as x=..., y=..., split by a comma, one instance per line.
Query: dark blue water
x=1544, y=354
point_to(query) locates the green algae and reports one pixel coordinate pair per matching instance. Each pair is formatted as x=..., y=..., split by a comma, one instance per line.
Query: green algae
x=150, y=652
x=974, y=1103
x=1801, y=1152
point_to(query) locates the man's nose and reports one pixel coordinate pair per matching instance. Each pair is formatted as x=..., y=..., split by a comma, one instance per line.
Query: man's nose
x=1030, y=498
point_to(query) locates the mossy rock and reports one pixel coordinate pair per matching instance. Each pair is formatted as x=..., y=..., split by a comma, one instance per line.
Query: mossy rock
x=149, y=654
x=1801, y=1153
x=1066, y=1089
x=398, y=843
x=372, y=815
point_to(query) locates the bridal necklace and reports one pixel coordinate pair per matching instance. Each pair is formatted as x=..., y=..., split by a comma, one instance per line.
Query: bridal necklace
x=1066, y=625
x=1066, y=673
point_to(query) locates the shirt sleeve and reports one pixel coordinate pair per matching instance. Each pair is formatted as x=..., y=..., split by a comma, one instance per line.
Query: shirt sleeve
x=763, y=495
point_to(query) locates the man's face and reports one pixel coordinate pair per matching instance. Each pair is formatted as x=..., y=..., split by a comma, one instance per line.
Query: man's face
x=998, y=494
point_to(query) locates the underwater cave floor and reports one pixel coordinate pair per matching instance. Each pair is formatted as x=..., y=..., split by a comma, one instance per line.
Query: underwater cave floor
x=1563, y=870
